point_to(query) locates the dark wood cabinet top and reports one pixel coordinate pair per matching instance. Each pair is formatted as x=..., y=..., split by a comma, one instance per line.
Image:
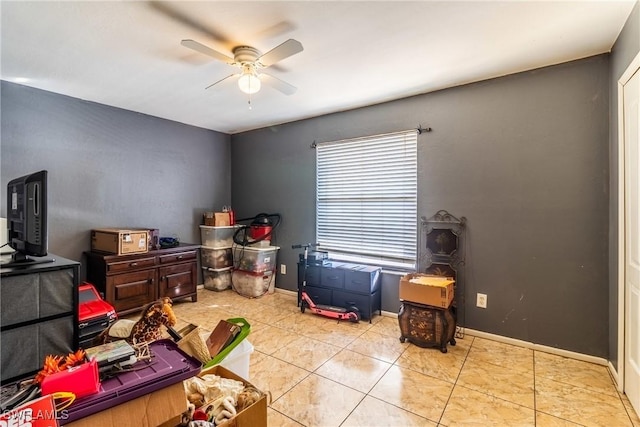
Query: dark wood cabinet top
x=183, y=247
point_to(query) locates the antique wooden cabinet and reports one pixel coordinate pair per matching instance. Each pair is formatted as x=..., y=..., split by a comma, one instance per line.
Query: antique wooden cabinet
x=427, y=326
x=129, y=282
x=441, y=251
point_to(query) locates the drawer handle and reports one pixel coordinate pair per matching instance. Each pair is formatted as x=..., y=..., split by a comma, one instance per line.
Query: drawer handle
x=151, y=281
x=133, y=264
x=180, y=256
x=162, y=278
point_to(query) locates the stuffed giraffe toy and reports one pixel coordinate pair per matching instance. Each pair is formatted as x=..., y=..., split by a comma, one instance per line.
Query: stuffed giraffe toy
x=146, y=329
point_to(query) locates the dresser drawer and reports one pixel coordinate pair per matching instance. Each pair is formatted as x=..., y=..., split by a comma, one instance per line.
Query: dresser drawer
x=363, y=279
x=177, y=280
x=319, y=295
x=131, y=264
x=366, y=303
x=313, y=275
x=177, y=257
x=332, y=277
x=129, y=291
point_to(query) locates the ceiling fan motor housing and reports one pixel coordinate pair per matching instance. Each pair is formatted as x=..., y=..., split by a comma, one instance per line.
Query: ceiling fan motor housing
x=245, y=55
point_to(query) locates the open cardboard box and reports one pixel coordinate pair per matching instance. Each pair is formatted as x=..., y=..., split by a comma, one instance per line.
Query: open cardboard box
x=253, y=416
x=437, y=291
x=149, y=410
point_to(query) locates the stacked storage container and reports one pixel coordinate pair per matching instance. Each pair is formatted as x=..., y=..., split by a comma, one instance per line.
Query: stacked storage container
x=254, y=272
x=216, y=256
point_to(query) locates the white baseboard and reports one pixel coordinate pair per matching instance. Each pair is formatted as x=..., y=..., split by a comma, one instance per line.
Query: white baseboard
x=539, y=347
x=286, y=292
x=615, y=377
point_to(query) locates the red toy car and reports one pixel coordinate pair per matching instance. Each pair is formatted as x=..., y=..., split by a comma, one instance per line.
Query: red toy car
x=94, y=314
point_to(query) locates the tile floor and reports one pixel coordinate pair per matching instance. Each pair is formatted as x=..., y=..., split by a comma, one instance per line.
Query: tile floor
x=323, y=373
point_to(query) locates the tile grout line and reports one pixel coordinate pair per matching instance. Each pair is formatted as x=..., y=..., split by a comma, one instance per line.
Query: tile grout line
x=455, y=382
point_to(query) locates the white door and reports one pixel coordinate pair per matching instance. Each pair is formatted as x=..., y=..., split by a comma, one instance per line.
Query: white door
x=631, y=103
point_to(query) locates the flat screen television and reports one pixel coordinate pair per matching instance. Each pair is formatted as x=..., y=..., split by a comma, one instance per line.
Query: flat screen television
x=27, y=219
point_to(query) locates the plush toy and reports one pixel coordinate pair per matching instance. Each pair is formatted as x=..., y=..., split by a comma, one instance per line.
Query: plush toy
x=226, y=410
x=187, y=415
x=146, y=329
x=199, y=423
x=200, y=415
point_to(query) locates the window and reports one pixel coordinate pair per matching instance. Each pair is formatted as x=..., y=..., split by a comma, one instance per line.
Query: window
x=366, y=199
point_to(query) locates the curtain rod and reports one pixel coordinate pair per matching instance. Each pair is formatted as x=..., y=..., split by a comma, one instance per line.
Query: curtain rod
x=419, y=130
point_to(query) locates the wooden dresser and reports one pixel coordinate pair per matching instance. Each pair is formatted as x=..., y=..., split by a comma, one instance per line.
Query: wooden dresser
x=129, y=282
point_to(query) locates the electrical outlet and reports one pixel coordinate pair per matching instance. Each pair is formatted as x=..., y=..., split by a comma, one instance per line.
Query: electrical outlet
x=283, y=268
x=481, y=301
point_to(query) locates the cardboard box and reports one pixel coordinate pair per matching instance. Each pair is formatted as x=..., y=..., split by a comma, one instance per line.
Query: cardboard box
x=427, y=289
x=217, y=219
x=149, y=410
x=253, y=416
x=120, y=242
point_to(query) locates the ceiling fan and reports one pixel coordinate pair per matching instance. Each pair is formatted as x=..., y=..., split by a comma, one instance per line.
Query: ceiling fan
x=251, y=62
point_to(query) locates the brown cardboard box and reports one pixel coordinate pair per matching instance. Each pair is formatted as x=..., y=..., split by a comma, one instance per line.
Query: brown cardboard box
x=217, y=219
x=150, y=410
x=432, y=290
x=120, y=242
x=253, y=416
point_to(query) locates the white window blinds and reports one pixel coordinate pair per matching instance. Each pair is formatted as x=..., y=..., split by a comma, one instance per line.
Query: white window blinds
x=366, y=207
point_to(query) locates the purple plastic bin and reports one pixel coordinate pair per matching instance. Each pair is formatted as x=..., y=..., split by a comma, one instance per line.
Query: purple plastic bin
x=168, y=366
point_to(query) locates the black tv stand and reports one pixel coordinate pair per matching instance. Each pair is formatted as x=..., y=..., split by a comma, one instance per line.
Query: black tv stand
x=18, y=260
x=38, y=315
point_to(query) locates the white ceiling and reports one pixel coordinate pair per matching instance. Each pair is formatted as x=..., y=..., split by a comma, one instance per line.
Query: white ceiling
x=128, y=54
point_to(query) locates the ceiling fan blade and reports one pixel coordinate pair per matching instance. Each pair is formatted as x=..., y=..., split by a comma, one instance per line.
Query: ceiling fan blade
x=170, y=11
x=199, y=47
x=278, y=53
x=223, y=79
x=278, y=84
x=275, y=30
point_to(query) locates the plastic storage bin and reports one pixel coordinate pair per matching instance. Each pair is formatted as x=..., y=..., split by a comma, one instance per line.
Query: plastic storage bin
x=253, y=284
x=169, y=365
x=245, y=329
x=217, y=237
x=216, y=279
x=237, y=361
x=216, y=258
x=255, y=259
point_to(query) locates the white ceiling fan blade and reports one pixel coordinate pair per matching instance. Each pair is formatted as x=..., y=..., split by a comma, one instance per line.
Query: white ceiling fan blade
x=278, y=84
x=199, y=47
x=280, y=52
x=172, y=11
x=223, y=79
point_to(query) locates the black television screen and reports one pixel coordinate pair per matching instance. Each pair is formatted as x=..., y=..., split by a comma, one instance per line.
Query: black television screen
x=27, y=217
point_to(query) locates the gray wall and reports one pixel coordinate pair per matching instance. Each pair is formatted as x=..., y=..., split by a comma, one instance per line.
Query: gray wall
x=523, y=157
x=110, y=167
x=624, y=51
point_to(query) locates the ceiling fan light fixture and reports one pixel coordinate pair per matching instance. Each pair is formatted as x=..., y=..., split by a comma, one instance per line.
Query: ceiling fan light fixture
x=249, y=83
